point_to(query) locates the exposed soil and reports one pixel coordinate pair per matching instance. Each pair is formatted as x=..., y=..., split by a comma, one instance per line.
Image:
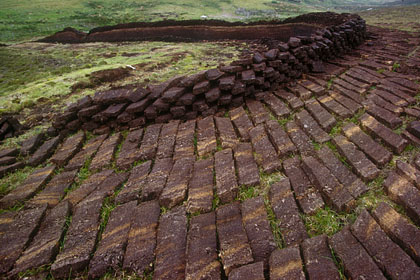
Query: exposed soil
x=197, y=30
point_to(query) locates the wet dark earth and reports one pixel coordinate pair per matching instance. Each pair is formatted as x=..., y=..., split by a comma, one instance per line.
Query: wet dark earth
x=167, y=201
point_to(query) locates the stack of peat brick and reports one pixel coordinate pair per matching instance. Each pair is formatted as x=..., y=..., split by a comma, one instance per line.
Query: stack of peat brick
x=9, y=127
x=209, y=91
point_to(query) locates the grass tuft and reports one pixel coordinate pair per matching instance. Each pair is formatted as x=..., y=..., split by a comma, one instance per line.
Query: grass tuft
x=327, y=221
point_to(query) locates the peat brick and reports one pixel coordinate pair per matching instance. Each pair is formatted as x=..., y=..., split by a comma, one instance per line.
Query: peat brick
x=105, y=154
x=234, y=248
x=238, y=88
x=54, y=190
x=356, y=261
x=388, y=96
x=388, y=256
x=383, y=115
x=129, y=149
x=334, y=107
x=379, y=101
x=166, y=144
x=279, y=109
x=7, y=160
x=352, y=106
x=242, y=122
x=333, y=192
x=391, y=139
x=286, y=211
x=201, y=252
x=227, y=83
x=414, y=128
x=315, y=88
x=226, y=132
x=396, y=91
x=141, y=243
x=86, y=153
x=138, y=107
x=69, y=148
x=213, y=74
x=189, y=81
x=10, y=168
x=401, y=231
x=206, y=136
x=377, y=153
x=289, y=98
x=88, y=186
x=266, y=155
x=135, y=183
x=170, y=260
x=361, y=165
x=311, y=127
x=350, y=86
x=322, y=116
x=286, y=264
x=88, y=112
x=279, y=138
x=247, y=169
x=354, y=82
x=200, y=189
x=348, y=93
x=349, y=180
x=318, y=260
x=178, y=111
x=137, y=122
x=175, y=190
x=257, y=111
x=81, y=237
x=258, y=230
x=44, y=152
x=404, y=193
x=45, y=244
x=84, y=228
x=212, y=95
x=254, y=271
x=300, y=139
x=156, y=180
x=150, y=141
x=226, y=185
x=17, y=236
x=184, y=143
x=31, y=144
x=409, y=172
x=111, y=248
x=201, y=87
x=113, y=110
x=301, y=92
x=28, y=188
x=248, y=77
x=173, y=94
x=308, y=197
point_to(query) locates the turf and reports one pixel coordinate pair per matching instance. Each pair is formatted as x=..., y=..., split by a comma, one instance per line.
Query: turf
x=29, y=19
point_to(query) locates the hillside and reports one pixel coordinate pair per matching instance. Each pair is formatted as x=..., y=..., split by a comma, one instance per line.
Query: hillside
x=29, y=19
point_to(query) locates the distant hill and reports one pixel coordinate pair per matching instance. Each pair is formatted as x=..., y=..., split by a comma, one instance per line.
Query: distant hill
x=28, y=19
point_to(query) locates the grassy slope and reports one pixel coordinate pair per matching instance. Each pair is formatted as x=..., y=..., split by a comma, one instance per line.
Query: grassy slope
x=27, y=19
x=403, y=18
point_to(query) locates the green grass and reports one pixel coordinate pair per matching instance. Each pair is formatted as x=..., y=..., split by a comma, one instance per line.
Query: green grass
x=14, y=179
x=327, y=221
x=403, y=18
x=39, y=76
x=27, y=19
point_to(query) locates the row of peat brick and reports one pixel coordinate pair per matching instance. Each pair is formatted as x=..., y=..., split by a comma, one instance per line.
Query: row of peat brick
x=206, y=92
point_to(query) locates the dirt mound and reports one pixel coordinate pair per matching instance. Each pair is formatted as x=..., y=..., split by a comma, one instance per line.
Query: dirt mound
x=198, y=30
